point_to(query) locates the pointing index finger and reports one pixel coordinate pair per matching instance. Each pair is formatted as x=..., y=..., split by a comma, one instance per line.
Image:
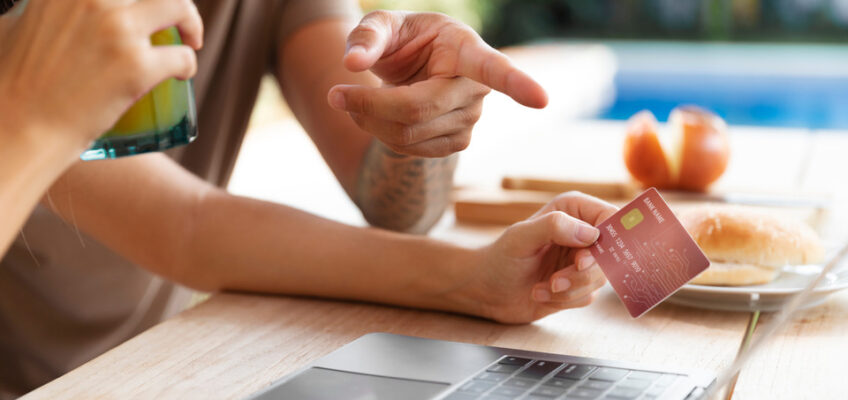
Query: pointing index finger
x=478, y=61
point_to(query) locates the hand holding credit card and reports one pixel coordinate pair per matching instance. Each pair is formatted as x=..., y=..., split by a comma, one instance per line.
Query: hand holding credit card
x=646, y=254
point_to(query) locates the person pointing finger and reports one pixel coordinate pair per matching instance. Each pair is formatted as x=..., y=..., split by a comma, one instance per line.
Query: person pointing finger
x=435, y=72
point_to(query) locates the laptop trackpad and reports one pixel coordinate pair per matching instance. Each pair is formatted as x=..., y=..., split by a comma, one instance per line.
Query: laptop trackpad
x=323, y=384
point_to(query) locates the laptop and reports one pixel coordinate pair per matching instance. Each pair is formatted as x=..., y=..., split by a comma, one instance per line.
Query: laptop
x=389, y=366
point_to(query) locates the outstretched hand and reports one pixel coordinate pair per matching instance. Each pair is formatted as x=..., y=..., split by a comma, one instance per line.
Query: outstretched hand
x=542, y=265
x=435, y=71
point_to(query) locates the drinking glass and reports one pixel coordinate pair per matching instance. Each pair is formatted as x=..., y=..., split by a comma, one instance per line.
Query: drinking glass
x=162, y=119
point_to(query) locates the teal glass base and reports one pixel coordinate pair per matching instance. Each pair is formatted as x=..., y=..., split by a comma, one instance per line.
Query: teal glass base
x=120, y=146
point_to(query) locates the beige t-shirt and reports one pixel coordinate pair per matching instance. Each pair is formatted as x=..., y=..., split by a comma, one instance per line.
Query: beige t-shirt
x=64, y=297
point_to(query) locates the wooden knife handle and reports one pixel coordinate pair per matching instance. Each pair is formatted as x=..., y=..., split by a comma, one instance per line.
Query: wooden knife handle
x=499, y=207
x=507, y=213
x=604, y=190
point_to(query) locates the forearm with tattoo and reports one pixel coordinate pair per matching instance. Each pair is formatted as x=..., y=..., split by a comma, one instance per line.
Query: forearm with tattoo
x=403, y=193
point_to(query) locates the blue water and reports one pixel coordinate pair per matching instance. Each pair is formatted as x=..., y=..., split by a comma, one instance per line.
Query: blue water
x=789, y=101
x=784, y=85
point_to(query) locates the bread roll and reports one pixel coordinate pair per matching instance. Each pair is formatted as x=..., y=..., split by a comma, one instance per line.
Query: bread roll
x=747, y=246
x=727, y=274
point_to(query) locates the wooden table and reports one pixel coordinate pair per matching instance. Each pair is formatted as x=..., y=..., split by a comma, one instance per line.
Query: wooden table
x=235, y=344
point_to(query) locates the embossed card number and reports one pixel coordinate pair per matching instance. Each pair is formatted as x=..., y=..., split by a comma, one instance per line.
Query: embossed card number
x=646, y=254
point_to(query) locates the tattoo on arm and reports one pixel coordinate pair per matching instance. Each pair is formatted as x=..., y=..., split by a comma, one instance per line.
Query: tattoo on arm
x=403, y=193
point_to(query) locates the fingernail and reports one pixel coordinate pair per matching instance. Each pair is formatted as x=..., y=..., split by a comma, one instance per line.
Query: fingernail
x=585, y=263
x=541, y=295
x=561, y=285
x=337, y=100
x=587, y=234
x=357, y=49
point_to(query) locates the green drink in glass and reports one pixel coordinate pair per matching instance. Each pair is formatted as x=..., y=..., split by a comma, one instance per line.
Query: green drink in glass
x=162, y=119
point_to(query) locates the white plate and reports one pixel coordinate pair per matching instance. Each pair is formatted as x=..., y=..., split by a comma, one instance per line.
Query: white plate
x=768, y=297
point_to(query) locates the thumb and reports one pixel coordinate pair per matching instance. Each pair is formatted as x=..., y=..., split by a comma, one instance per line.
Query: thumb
x=368, y=41
x=526, y=238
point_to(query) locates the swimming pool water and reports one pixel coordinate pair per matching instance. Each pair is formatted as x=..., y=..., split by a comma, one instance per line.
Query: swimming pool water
x=787, y=85
x=797, y=101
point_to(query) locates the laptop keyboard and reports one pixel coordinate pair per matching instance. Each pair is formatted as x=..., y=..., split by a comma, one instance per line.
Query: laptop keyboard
x=516, y=377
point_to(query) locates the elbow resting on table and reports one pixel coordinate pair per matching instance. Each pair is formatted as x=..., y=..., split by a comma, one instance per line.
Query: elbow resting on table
x=403, y=193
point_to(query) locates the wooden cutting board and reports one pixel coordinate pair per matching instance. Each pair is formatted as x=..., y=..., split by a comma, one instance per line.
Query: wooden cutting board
x=515, y=202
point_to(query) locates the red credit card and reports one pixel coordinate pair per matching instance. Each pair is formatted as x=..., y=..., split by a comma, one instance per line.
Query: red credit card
x=646, y=253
